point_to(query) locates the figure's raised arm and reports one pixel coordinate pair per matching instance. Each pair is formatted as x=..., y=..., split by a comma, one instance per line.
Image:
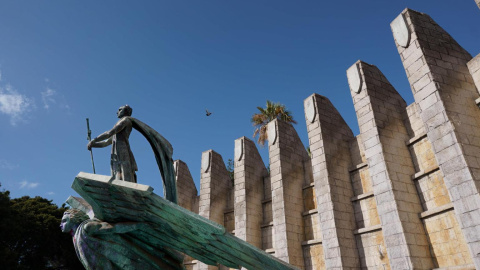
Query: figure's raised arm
x=105, y=138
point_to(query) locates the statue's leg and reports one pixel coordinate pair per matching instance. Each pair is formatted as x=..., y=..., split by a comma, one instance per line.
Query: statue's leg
x=128, y=173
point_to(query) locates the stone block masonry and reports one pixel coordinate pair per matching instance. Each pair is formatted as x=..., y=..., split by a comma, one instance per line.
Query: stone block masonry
x=187, y=197
x=474, y=67
x=403, y=194
x=329, y=138
x=186, y=190
x=380, y=112
x=444, y=90
x=287, y=174
x=249, y=176
x=216, y=194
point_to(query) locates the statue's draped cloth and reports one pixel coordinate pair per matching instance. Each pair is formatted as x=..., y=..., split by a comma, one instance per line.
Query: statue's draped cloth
x=163, y=152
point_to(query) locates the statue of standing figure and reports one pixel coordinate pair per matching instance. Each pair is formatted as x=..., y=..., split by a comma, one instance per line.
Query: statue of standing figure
x=122, y=162
x=119, y=225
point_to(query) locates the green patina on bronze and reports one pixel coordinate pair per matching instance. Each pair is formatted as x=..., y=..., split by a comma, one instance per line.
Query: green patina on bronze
x=122, y=161
x=141, y=224
x=119, y=224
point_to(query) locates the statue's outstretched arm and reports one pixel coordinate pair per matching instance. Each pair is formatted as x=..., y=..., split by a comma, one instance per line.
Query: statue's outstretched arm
x=105, y=139
x=102, y=143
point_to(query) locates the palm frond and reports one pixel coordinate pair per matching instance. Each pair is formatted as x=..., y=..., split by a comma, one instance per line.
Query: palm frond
x=270, y=112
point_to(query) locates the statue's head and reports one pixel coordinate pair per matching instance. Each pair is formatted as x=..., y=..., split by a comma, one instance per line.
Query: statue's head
x=124, y=111
x=71, y=219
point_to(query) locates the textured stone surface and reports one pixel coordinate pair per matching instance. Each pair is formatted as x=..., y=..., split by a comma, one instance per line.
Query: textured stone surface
x=312, y=228
x=433, y=191
x=412, y=169
x=436, y=67
x=216, y=193
x=187, y=196
x=474, y=67
x=373, y=254
x=288, y=160
x=447, y=241
x=330, y=138
x=186, y=189
x=366, y=213
x=314, y=257
x=267, y=224
x=249, y=174
x=361, y=181
x=380, y=111
x=423, y=156
x=413, y=122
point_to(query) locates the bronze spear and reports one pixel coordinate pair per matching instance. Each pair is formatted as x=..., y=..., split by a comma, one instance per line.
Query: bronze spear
x=89, y=138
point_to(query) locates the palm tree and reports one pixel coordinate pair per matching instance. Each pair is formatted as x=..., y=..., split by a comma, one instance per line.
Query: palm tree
x=271, y=112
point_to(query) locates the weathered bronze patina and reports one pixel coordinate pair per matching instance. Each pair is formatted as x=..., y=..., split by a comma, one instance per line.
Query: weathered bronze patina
x=123, y=165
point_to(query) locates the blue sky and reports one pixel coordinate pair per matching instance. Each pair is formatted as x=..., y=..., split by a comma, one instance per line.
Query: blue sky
x=63, y=61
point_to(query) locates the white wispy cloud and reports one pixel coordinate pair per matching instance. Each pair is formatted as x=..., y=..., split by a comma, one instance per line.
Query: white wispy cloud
x=26, y=184
x=14, y=104
x=51, y=193
x=51, y=97
x=4, y=164
x=48, y=97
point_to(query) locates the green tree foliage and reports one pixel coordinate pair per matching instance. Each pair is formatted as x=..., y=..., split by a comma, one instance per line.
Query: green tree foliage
x=270, y=112
x=30, y=237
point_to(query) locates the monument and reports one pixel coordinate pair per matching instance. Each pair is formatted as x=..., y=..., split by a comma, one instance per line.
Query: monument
x=404, y=193
x=122, y=162
x=120, y=224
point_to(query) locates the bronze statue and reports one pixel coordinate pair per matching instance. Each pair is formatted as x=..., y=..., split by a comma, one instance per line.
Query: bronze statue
x=122, y=162
x=123, y=165
x=102, y=245
x=121, y=225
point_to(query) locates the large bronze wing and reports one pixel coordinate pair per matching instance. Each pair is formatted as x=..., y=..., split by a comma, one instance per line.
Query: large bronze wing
x=169, y=226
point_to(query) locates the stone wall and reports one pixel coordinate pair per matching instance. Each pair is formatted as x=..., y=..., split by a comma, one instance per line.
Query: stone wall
x=380, y=112
x=187, y=197
x=288, y=176
x=329, y=138
x=186, y=189
x=443, y=88
x=474, y=67
x=216, y=194
x=249, y=180
x=402, y=194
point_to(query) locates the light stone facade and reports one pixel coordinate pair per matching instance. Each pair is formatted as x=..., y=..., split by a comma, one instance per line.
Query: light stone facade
x=403, y=194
